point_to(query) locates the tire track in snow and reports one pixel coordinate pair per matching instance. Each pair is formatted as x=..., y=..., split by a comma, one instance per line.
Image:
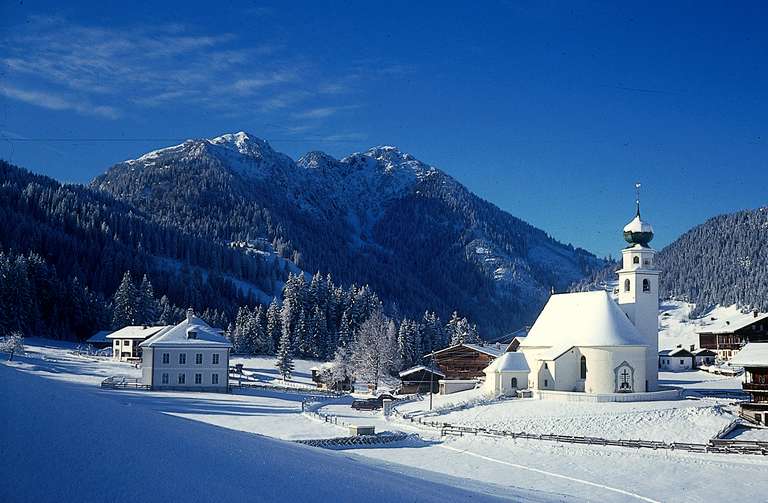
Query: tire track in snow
x=551, y=474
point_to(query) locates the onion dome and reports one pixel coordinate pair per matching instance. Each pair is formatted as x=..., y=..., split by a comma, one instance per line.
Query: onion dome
x=638, y=232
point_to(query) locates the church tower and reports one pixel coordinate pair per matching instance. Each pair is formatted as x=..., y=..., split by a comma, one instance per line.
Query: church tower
x=639, y=289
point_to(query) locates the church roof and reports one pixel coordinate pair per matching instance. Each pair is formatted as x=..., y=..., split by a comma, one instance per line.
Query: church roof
x=638, y=225
x=582, y=319
x=509, y=362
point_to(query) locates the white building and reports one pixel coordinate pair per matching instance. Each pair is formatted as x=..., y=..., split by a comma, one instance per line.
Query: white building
x=703, y=357
x=506, y=375
x=589, y=342
x=190, y=356
x=126, y=341
x=676, y=360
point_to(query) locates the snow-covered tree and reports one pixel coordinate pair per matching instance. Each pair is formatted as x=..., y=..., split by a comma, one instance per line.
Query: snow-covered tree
x=374, y=351
x=124, y=307
x=12, y=344
x=284, y=361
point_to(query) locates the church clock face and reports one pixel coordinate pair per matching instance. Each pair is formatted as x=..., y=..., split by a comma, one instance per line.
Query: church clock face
x=624, y=378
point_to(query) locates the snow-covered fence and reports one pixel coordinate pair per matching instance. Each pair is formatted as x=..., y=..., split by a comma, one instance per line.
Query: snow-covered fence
x=288, y=389
x=719, y=446
x=359, y=440
x=122, y=382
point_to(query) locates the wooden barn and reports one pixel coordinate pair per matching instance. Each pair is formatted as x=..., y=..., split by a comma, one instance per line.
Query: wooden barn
x=465, y=361
x=727, y=337
x=420, y=379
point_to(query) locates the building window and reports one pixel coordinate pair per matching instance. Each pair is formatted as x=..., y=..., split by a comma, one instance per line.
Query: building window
x=215, y=358
x=198, y=378
x=199, y=358
x=647, y=262
x=514, y=382
x=681, y=362
x=646, y=285
x=636, y=260
x=165, y=378
x=583, y=367
x=215, y=379
x=626, y=285
x=166, y=358
x=126, y=342
x=546, y=366
x=546, y=383
x=182, y=358
x=182, y=378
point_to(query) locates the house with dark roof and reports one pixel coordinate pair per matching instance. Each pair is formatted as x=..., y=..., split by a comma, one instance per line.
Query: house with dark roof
x=676, y=360
x=728, y=336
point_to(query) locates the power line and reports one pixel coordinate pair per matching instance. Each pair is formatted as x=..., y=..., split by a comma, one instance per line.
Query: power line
x=127, y=140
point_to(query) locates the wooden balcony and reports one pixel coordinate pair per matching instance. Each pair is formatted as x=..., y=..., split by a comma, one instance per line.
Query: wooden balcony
x=748, y=386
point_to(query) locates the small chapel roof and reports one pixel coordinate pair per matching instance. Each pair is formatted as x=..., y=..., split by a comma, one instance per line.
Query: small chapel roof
x=509, y=362
x=582, y=319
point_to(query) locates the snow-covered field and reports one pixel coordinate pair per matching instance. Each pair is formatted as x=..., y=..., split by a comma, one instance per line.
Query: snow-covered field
x=155, y=446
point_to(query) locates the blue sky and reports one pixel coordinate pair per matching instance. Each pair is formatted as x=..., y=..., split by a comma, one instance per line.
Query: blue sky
x=549, y=110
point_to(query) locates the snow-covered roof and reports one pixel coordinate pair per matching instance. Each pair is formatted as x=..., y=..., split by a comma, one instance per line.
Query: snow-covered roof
x=191, y=332
x=703, y=351
x=554, y=353
x=487, y=349
x=675, y=352
x=638, y=225
x=418, y=368
x=508, y=362
x=99, y=337
x=136, y=332
x=753, y=354
x=732, y=323
x=582, y=319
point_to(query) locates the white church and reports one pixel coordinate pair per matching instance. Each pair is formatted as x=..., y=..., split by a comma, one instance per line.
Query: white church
x=592, y=346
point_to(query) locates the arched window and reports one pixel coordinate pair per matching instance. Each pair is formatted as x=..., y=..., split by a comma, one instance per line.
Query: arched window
x=514, y=382
x=626, y=285
x=583, y=367
x=636, y=260
x=646, y=285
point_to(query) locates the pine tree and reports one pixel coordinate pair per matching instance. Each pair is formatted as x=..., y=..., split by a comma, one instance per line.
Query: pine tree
x=274, y=325
x=284, y=361
x=147, y=305
x=124, y=311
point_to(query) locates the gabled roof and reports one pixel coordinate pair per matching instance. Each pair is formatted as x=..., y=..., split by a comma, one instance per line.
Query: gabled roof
x=191, y=332
x=485, y=349
x=732, y=324
x=676, y=352
x=554, y=353
x=508, y=362
x=703, y=351
x=99, y=337
x=753, y=354
x=582, y=319
x=418, y=368
x=136, y=332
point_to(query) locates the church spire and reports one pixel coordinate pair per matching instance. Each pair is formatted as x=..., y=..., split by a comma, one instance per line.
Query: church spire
x=637, y=198
x=638, y=232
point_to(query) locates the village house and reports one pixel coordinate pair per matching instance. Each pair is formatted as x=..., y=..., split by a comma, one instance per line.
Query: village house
x=754, y=359
x=125, y=342
x=420, y=379
x=728, y=336
x=463, y=365
x=676, y=360
x=703, y=357
x=190, y=356
x=99, y=339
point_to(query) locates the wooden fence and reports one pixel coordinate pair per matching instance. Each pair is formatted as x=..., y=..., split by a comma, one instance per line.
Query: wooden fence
x=718, y=446
x=122, y=382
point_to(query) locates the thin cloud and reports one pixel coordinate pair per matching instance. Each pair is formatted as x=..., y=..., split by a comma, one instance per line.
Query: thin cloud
x=55, y=102
x=321, y=112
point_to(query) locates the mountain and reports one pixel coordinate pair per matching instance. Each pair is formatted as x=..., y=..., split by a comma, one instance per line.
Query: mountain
x=723, y=261
x=381, y=217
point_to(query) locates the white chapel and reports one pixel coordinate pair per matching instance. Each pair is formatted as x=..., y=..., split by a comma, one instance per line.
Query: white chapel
x=592, y=342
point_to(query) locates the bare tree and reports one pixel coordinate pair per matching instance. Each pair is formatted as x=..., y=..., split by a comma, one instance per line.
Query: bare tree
x=374, y=350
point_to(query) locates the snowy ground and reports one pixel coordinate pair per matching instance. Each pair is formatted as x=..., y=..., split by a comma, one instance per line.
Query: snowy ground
x=205, y=457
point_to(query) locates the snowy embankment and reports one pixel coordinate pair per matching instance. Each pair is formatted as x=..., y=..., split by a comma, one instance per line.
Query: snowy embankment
x=669, y=421
x=93, y=448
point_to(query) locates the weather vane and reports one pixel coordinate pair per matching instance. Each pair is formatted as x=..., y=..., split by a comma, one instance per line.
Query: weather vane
x=637, y=196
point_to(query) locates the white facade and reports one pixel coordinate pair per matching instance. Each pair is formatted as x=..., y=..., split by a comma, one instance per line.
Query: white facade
x=190, y=356
x=506, y=374
x=677, y=360
x=126, y=341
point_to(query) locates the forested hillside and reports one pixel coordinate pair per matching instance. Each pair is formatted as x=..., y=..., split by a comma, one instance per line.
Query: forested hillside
x=722, y=261
x=419, y=238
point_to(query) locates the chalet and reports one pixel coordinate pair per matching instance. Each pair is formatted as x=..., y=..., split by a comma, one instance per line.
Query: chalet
x=728, y=336
x=99, y=339
x=420, y=379
x=703, y=357
x=126, y=342
x=322, y=375
x=754, y=358
x=676, y=359
x=190, y=356
x=463, y=365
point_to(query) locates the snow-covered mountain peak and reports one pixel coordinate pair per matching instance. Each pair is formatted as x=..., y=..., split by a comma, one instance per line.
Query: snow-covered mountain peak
x=244, y=143
x=317, y=160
